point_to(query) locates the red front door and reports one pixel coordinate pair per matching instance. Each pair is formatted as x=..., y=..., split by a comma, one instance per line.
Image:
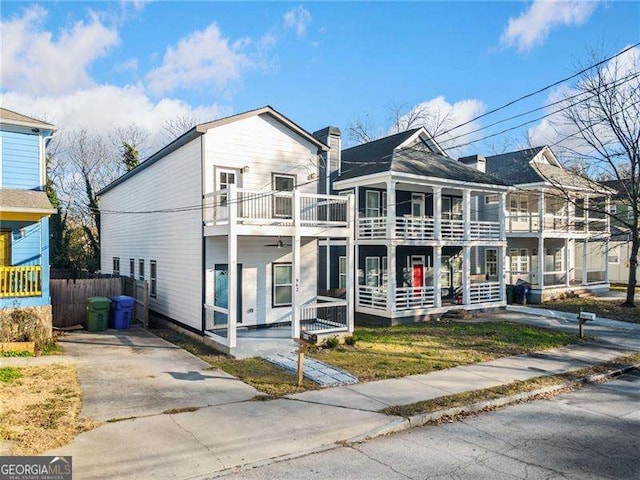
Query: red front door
x=418, y=275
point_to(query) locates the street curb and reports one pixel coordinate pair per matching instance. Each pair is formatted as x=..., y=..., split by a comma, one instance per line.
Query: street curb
x=421, y=419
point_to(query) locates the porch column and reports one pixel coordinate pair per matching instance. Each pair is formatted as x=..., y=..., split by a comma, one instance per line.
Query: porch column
x=501, y=273
x=327, y=262
x=541, y=262
x=295, y=253
x=391, y=210
x=606, y=260
x=466, y=214
x=585, y=246
x=232, y=267
x=567, y=279
x=466, y=277
x=586, y=214
x=392, y=282
x=502, y=216
x=437, y=213
x=350, y=265
x=541, y=208
x=437, y=276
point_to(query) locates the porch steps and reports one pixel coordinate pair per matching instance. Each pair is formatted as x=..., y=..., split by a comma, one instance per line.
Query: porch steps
x=458, y=315
x=314, y=370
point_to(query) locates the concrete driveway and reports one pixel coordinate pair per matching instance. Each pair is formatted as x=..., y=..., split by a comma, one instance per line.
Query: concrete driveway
x=132, y=373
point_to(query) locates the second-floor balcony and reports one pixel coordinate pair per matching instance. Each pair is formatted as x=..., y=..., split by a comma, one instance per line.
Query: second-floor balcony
x=532, y=222
x=425, y=228
x=276, y=209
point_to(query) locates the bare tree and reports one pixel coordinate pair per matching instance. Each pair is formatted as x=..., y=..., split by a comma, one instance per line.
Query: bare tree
x=604, y=139
x=176, y=126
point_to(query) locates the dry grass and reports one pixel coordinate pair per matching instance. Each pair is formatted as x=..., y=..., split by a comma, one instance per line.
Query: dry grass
x=513, y=388
x=257, y=372
x=40, y=409
x=612, y=309
x=399, y=351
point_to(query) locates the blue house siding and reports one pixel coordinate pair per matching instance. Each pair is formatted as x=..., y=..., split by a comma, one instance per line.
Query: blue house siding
x=20, y=161
x=32, y=249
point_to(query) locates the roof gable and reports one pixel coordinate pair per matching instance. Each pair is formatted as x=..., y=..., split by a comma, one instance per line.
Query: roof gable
x=14, y=118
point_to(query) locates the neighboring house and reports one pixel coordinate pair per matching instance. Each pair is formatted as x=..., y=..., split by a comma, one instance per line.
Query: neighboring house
x=24, y=212
x=224, y=223
x=550, y=237
x=424, y=244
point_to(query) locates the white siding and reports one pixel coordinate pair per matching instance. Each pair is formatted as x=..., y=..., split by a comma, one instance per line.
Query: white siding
x=256, y=260
x=266, y=146
x=174, y=240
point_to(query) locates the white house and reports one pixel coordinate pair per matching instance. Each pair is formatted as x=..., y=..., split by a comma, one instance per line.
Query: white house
x=224, y=223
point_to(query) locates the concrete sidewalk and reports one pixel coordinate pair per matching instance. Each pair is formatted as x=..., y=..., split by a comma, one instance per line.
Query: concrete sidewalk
x=217, y=439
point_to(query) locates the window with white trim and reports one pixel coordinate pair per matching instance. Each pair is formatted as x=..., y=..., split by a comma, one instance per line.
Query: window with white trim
x=372, y=203
x=153, y=279
x=614, y=255
x=490, y=199
x=491, y=263
x=132, y=267
x=141, y=269
x=283, y=205
x=385, y=272
x=372, y=271
x=342, y=272
x=519, y=260
x=116, y=265
x=282, y=276
x=518, y=204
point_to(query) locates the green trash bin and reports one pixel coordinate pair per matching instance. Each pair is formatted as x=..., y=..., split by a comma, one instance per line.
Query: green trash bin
x=510, y=294
x=98, y=313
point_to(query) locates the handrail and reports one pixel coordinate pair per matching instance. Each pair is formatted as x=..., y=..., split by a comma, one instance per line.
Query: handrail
x=21, y=281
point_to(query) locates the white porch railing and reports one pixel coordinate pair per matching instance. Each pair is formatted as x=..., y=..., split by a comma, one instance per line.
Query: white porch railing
x=415, y=228
x=452, y=229
x=484, y=292
x=276, y=208
x=414, y=297
x=484, y=230
x=423, y=228
x=372, y=227
x=372, y=297
x=530, y=222
x=325, y=315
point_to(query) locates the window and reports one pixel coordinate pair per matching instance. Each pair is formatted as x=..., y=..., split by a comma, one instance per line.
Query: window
x=490, y=199
x=153, y=279
x=342, y=275
x=283, y=205
x=141, y=269
x=614, y=255
x=491, y=263
x=519, y=260
x=116, y=265
x=373, y=204
x=452, y=208
x=282, y=284
x=417, y=204
x=372, y=271
x=385, y=272
x=518, y=204
x=556, y=254
x=132, y=268
x=383, y=205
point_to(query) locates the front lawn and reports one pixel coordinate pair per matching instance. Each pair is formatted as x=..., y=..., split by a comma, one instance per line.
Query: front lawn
x=40, y=407
x=602, y=308
x=422, y=348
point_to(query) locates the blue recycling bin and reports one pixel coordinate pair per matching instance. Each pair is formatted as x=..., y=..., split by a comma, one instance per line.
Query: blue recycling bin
x=522, y=294
x=121, y=312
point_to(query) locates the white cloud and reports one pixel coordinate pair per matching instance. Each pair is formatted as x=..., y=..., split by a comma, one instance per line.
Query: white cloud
x=203, y=58
x=130, y=65
x=532, y=27
x=34, y=61
x=298, y=19
x=103, y=108
x=437, y=116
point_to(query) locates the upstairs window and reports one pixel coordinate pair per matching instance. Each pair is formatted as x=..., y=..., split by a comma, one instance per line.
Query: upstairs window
x=141, y=269
x=153, y=279
x=372, y=204
x=283, y=205
x=116, y=265
x=132, y=268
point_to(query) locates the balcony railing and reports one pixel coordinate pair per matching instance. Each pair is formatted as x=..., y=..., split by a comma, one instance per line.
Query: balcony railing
x=423, y=228
x=530, y=222
x=276, y=208
x=23, y=281
x=324, y=316
x=372, y=297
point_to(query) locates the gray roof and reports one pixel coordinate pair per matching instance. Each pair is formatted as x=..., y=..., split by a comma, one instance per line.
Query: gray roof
x=517, y=168
x=15, y=118
x=12, y=200
x=381, y=156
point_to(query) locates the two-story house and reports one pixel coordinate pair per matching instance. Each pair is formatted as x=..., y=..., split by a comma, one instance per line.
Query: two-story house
x=555, y=219
x=423, y=246
x=24, y=212
x=224, y=224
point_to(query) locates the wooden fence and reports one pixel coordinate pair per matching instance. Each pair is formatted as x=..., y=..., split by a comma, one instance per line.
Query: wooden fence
x=69, y=298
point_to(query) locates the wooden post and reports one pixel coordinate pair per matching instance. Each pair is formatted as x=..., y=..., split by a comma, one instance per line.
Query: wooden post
x=232, y=267
x=302, y=348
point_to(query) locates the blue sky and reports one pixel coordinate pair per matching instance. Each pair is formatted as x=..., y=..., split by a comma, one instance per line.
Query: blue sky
x=103, y=65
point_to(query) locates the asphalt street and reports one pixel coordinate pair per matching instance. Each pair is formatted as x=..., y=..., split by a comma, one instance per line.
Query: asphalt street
x=592, y=433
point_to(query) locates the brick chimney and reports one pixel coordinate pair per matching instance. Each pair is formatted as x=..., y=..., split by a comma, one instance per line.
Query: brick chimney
x=329, y=168
x=475, y=161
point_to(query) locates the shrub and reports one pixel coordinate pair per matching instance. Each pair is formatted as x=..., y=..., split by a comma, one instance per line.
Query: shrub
x=23, y=325
x=350, y=340
x=332, y=342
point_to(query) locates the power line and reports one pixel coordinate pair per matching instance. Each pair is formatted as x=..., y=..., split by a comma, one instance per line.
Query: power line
x=540, y=90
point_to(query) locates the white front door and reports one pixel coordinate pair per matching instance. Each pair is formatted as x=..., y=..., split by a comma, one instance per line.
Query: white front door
x=224, y=178
x=417, y=205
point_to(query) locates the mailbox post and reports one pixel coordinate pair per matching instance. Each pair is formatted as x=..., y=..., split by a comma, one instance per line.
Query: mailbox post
x=584, y=317
x=306, y=340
